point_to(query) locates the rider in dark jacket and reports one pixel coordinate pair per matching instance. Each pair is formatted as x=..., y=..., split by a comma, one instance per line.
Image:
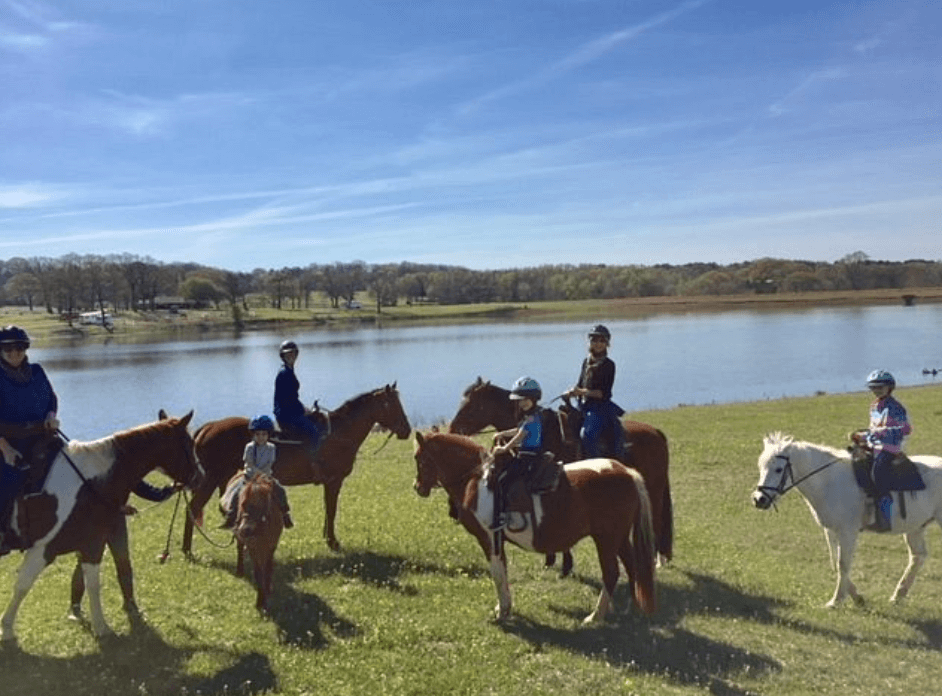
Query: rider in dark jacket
x=28, y=406
x=289, y=411
x=594, y=389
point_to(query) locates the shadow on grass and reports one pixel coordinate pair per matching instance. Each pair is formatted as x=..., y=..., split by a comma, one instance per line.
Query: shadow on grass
x=307, y=621
x=141, y=663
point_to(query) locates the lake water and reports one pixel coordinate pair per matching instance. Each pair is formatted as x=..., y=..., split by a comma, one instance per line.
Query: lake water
x=662, y=361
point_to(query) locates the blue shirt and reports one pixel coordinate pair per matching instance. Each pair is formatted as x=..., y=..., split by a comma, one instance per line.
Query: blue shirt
x=532, y=425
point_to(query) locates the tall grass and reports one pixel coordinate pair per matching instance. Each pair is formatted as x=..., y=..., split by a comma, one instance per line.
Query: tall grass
x=406, y=607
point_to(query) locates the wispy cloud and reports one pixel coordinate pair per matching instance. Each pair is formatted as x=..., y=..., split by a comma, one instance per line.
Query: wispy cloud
x=806, y=85
x=587, y=53
x=25, y=196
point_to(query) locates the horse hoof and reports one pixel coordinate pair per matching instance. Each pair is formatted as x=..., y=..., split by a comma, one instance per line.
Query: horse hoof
x=75, y=613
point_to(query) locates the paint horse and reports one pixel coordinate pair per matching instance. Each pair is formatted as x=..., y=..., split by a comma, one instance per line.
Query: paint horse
x=257, y=531
x=81, y=500
x=825, y=477
x=220, y=444
x=600, y=498
x=484, y=404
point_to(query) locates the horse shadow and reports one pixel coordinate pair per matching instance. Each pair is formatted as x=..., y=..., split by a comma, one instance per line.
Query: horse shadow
x=302, y=617
x=140, y=662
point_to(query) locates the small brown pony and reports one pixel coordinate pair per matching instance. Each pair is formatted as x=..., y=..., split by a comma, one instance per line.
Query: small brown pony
x=220, y=444
x=257, y=531
x=484, y=404
x=600, y=498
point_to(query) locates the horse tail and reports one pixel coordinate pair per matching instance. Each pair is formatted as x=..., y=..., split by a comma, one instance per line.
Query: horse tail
x=640, y=557
x=665, y=535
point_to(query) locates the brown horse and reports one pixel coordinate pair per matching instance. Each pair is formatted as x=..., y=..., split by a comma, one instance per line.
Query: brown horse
x=600, y=498
x=258, y=530
x=81, y=503
x=220, y=444
x=484, y=404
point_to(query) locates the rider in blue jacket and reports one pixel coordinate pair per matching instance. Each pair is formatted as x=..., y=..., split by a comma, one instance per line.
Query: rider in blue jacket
x=525, y=442
x=888, y=426
x=28, y=406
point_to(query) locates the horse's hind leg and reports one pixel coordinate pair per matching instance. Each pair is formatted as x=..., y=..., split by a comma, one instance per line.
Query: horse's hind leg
x=918, y=552
x=33, y=565
x=608, y=561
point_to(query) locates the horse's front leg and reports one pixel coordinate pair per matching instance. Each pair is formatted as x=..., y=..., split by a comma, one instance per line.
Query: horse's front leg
x=918, y=552
x=92, y=572
x=498, y=565
x=331, y=496
x=846, y=544
x=33, y=565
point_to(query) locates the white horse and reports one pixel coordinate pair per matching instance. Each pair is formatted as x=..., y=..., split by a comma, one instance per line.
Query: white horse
x=825, y=477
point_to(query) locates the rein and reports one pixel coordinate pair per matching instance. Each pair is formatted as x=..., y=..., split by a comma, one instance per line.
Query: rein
x=781, y=489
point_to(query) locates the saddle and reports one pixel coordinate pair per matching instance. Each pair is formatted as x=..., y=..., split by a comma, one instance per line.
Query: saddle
x=295, y=436
x=542, y=477
x=35, y=510
x=612, y=443
x=905, y=477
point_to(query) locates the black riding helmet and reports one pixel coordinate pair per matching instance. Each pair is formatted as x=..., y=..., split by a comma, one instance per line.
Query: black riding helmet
x=13, y=334
x=600, y=330
x=288, y=347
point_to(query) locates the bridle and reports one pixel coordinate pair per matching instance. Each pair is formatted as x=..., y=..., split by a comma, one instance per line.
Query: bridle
x=788, y=473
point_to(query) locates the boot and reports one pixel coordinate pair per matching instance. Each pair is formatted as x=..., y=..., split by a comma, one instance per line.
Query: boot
x=286, y=518
x=883, y=513
x=230, y=520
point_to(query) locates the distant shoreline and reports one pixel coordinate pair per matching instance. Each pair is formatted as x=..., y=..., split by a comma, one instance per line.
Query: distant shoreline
x=44, y=327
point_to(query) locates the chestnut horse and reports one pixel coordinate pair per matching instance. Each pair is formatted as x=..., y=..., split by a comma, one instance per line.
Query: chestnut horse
x=484, y=404
x=601, y=498
x=220, y=444
x=258, y=530
x=81, y=500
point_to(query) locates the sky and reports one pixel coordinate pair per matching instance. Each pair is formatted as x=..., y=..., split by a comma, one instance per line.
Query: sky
x=488, y=134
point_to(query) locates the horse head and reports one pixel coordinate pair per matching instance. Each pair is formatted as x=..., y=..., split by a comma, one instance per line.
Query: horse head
x=775, y=468
x=446, y=460
x=483, y=404
x=179, y=461
x=390, y=414
x=256, y=503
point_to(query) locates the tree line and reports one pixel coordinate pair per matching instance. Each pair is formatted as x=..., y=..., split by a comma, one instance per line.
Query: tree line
x=128, y=282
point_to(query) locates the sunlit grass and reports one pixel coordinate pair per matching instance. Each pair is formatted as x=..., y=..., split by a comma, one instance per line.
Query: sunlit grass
x=406, y=607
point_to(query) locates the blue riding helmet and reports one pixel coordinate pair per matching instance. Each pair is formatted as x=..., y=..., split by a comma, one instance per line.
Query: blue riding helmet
x=526, y=388
x=879, y=378
x=262, y=422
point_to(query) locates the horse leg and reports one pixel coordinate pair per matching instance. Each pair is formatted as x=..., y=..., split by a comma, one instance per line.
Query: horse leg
x=92, y=573
x=846, y=544
x=918, y=552
x=78, y=591
x=831, y=538
x=499, y=576
x=608, y=561
x=200, y=497
x=240, y=559
x=331, y=495
x=33, y=565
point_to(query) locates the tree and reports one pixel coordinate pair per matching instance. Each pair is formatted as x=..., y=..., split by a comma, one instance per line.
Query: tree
x=201, y=290
x=23, y=287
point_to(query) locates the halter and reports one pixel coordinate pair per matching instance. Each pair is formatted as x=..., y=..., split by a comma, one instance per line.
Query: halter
x=781, y=489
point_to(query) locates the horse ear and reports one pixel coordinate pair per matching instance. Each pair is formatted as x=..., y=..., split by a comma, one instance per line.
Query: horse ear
x=392, y=387
x=162, y=415
x=187, y=418
x=479, y=381
x=419, y=440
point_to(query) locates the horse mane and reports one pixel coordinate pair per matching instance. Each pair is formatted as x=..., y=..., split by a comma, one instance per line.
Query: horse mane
x=354, y=403
x=479, y=383
x=780, y=441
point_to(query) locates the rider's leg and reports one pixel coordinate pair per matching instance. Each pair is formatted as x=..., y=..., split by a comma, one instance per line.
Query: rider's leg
x=283, y=504
x=882, y=480
x=592, y=428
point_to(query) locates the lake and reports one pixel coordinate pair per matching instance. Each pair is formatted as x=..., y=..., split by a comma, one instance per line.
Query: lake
x=662, y=361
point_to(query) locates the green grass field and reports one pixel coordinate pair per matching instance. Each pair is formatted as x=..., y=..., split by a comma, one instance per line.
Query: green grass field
x=406, y=608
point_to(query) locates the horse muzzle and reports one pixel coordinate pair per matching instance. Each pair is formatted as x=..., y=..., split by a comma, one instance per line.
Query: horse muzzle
x=423, y=491
x=762, y=500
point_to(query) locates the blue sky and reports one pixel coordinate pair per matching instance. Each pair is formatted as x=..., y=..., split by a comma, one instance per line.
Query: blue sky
x=481, y=133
